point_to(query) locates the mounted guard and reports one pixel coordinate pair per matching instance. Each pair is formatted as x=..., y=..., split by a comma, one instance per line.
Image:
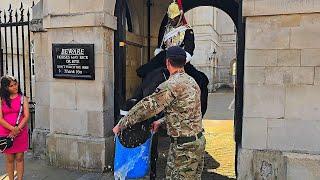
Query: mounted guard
x=176, y=33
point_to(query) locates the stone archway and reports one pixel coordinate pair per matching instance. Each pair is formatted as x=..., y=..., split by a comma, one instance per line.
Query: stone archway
x=232, y=7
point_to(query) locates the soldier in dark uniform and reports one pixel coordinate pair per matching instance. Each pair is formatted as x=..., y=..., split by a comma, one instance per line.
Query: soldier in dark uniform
x=179, y=99
x=176, y=33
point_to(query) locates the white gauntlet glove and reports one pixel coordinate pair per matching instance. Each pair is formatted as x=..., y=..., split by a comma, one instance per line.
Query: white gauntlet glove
x=157, y=51
x=189, y=57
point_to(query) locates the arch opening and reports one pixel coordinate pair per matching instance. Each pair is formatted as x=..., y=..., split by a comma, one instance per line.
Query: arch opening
x=231, y=7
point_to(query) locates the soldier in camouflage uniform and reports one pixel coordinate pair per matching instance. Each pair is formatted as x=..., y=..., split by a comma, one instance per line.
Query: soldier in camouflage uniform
x=179, y=98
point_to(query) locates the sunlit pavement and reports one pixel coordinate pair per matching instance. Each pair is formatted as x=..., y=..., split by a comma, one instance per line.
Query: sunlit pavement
x=221, y=146
x=219, y=132
x=220, y=151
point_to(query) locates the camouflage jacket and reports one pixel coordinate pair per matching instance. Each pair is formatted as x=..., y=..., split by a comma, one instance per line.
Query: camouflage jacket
x=179, y=97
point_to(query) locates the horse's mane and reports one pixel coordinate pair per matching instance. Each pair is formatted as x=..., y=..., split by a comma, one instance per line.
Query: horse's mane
x=139, y=133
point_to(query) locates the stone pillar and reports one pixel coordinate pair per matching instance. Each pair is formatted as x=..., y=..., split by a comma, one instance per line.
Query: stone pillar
x=215, y=41
x=75, y=117
x=281, y=115
x=201, y=19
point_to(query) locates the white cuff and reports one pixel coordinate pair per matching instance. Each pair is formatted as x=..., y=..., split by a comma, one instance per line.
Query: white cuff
x=157, y=51
x=162, y=120
x=123, y=113
x=189, y=58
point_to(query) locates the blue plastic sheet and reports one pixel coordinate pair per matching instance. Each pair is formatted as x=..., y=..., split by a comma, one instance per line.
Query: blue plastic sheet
x=132, y=163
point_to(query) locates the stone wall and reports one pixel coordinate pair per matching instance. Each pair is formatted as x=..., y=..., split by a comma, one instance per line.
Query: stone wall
x=227, y=50
x=74, y=118
x=214, y=32
x=281, y=102
x=78, y=114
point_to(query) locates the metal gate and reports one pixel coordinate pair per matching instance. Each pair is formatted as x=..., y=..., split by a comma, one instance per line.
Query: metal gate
x=16, y=53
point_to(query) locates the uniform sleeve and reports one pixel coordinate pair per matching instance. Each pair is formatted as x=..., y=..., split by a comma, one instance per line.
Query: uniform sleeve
x=189, y=41
x=162, y=31
x=148, y=107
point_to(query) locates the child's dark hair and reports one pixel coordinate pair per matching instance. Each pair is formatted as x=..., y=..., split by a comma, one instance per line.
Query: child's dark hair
x=4, y=88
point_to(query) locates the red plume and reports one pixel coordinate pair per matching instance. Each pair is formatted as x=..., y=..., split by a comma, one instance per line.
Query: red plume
x=180, y=4
x=184, y=21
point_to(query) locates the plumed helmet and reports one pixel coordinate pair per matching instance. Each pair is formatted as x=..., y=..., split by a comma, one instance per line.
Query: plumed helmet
x=173, y=10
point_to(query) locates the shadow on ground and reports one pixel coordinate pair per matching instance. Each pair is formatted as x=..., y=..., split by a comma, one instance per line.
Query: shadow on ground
x=210, y=164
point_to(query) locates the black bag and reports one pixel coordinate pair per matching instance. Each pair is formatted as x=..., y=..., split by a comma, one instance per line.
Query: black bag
x=6, y=142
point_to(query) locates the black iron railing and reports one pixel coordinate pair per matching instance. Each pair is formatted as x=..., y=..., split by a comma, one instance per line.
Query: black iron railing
x=15, y=53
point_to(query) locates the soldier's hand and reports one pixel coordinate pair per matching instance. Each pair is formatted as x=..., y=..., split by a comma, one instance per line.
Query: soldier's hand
x=116, y=130
x=155, y=126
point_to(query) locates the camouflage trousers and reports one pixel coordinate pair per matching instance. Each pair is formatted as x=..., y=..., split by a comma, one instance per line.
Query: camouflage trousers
x=186, y=161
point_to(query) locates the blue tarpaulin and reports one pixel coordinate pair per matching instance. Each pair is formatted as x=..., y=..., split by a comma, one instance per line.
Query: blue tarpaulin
x=132, y=163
